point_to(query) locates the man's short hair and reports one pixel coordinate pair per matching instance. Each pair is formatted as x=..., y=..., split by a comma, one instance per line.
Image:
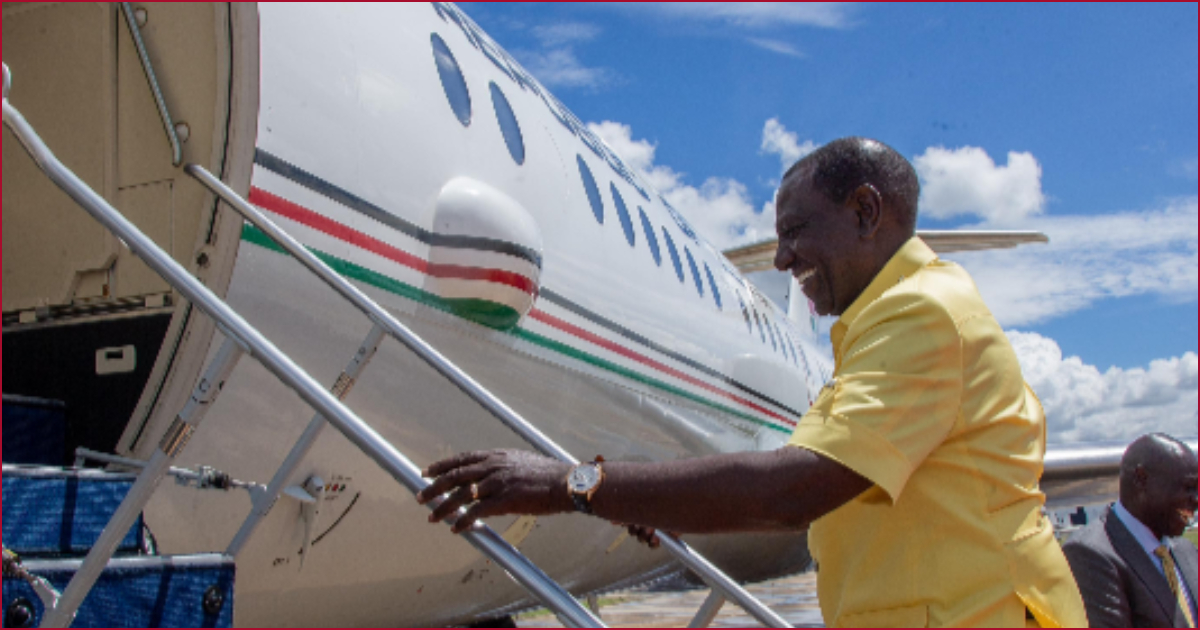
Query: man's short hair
x=840, y=167
x=1150, y=450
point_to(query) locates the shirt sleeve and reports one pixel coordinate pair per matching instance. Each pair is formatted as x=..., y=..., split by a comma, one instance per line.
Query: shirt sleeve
x=896, y=395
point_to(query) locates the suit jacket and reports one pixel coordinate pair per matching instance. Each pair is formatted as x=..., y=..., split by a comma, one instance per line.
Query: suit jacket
x=1120, y=584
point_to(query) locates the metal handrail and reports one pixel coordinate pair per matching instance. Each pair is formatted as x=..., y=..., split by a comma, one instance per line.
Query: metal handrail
x=148, y=68
x=714, y=577
x=252, y=343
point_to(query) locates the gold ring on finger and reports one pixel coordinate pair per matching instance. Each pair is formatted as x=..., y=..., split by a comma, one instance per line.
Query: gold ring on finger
x=474, y=492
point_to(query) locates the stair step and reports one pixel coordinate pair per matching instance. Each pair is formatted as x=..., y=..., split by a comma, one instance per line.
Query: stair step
x=143, y=592
x=54, y=512
x=35, y=431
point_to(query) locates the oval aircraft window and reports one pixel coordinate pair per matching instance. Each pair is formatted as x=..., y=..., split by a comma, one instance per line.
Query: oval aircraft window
x=674, y=254
x=453, y=82
x=745, y=313
x=508, y=125
x=589, y=186
x=712, y=283
x=649, y=229
x=695, y=270
x=622, y=214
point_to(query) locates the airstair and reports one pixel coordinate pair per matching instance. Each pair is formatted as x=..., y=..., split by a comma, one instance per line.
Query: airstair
x=57, y=590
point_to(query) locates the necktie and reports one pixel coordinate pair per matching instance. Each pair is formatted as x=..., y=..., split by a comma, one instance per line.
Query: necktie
x=1164, y=554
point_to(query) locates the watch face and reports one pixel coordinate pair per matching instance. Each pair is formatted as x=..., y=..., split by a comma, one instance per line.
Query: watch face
x=584, y=477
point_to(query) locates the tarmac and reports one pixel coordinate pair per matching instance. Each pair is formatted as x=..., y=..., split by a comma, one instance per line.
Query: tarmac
x=794, y=598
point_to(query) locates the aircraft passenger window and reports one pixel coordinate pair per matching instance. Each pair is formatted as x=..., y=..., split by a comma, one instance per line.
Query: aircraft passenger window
x=650, y=238
x=453, y=82
x=674, y=254
x=782, y=344
x=771, y=333
x=792, y=347
x=757, y=320
x=622, y=214
x=695, y=270
x=508, y=125
x=712, y=283
x=593, y=193
x=745, y=313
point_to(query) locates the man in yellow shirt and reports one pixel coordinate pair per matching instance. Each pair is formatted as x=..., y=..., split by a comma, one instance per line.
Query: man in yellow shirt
x=917, y=466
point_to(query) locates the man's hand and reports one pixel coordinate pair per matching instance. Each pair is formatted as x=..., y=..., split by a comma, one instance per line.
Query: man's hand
x=496, y=483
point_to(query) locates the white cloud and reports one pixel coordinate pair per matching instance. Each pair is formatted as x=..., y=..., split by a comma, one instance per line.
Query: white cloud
x=966, y=181
x=554, y=35
x=1088, y=259
x=559, y=67
x=555, y=63
x=777, y=46
x=1184, y=168
x=1084, y=404
x=777, y=140
x=720, y=209
x=758, y=14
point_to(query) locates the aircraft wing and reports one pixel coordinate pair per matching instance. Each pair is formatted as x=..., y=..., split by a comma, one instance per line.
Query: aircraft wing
x=946, y=241
x=761, y=256
x=1084, y=474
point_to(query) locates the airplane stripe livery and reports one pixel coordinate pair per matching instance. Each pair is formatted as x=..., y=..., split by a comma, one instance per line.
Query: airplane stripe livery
x=349, y=200
x=494, y=315
x=300, y=214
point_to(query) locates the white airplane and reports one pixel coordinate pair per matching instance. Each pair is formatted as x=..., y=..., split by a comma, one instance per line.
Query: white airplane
x=418, y=159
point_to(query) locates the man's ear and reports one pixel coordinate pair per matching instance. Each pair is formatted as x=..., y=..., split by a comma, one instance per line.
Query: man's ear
x=867, y=203
x=1141, y=478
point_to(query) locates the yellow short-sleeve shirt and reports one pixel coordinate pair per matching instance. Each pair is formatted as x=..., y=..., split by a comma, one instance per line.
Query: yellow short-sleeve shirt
x=929, y=404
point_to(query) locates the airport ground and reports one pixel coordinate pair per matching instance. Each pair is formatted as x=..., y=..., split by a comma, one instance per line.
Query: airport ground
x=674, y=606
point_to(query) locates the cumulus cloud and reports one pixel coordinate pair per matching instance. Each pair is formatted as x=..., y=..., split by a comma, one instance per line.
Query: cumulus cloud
x=556, y=63
x=561, y=68
x=1084, y=404
x=720, y=208
x=777, y=140
x=1088, y=259
x=757, y=14
x=966, y=181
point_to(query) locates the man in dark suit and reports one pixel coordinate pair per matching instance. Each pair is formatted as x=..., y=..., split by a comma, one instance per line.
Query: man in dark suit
x=1132, y=567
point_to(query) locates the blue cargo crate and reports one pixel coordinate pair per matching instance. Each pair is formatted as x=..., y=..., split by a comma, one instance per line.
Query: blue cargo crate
x=35, y=431
x=56, y=512
x=144, y=592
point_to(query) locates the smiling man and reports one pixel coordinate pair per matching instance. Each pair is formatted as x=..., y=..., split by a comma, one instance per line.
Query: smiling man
x=1133, y=568
x=917, y=466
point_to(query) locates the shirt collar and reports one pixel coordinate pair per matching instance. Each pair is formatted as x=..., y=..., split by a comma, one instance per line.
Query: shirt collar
x=907, y=260
x=1144, y=536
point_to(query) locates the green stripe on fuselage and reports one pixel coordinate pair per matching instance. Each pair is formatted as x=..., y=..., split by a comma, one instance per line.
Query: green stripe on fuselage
x=482, y=312
x=495, y=316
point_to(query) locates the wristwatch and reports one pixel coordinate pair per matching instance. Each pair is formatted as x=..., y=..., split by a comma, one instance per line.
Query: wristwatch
x=582, y=483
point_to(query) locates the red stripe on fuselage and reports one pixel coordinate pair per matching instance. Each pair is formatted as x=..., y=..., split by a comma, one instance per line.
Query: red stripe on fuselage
x=576, y=331
x=304, y=216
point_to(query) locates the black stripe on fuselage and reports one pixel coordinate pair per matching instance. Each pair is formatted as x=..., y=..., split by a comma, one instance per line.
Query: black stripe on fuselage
x=302, y=177
x=562, y=302
x=339, y=195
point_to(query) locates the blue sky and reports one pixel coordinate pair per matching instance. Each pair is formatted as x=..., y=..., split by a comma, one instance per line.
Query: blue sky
x=1079, y=120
